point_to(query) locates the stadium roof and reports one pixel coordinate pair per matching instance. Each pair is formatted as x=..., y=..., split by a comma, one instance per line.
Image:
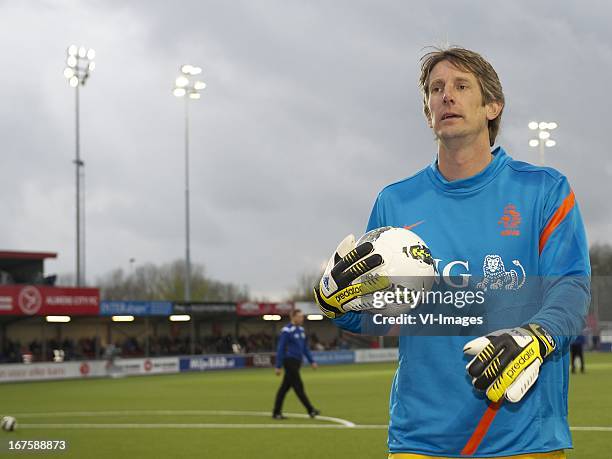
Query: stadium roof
x=16, y=255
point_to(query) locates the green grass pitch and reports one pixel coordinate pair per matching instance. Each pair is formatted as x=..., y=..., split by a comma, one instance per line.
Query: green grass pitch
x=200, y=413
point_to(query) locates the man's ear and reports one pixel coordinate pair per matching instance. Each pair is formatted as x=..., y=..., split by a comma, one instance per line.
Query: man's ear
x=493, y=109
x=428, y=116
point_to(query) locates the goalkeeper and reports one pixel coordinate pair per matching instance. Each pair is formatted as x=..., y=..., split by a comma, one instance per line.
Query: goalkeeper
x=476, y=207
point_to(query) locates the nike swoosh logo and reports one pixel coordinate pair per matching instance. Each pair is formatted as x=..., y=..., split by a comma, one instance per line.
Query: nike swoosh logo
x=409, y=227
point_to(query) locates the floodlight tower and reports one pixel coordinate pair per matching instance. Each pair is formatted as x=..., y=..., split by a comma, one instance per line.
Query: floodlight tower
x=543, y=141
x=80, y=63
x=188, y=87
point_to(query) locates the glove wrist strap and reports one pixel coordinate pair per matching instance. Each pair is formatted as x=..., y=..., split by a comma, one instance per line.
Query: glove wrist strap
x=545, y=339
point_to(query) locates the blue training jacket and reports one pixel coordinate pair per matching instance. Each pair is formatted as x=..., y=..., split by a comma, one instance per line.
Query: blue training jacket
x=293, y=343
x=514, y=213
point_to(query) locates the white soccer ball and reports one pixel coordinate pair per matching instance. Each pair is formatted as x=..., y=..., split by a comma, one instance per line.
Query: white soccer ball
x=407, y=262
x=8, y=423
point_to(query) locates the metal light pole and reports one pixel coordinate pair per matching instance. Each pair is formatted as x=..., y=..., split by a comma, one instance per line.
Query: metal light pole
x=185, y=86
x=189, y=88
x=543, y=141
x=80, y=63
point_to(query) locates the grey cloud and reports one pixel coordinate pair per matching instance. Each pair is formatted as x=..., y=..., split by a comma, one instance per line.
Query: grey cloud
x=311, y=108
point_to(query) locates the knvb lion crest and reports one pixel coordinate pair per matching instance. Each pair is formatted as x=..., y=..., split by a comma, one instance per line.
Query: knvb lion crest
x=511, y=220
x=497, y=278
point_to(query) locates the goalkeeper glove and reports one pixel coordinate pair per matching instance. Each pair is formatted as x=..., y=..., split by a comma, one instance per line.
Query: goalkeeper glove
x=507, y=362
x=336, y=292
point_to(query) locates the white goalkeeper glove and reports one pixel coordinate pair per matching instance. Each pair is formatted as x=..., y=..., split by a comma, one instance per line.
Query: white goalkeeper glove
x=337, y=292
x=507, y=362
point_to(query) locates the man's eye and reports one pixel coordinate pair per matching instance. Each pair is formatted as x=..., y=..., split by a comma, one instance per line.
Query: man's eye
x=462, y=86
x=436, y=89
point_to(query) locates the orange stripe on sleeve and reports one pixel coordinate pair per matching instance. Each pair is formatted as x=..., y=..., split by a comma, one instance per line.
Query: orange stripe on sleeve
x=566, y=206
x=481, y=429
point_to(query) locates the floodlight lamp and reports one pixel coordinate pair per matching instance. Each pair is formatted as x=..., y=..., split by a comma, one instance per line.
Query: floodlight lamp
x=181, y=82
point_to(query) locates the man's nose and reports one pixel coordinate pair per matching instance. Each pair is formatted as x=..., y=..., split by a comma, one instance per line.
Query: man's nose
x=448, y=96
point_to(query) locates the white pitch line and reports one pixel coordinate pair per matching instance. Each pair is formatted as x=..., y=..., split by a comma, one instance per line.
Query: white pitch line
x=182, y=426
x=237, y=426
x=592, y=429
x=339, y=421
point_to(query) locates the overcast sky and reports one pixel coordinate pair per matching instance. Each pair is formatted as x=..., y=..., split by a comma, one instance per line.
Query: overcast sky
x=311, y=108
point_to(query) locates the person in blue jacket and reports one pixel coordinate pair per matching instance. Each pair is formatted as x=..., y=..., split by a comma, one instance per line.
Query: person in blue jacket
x=506, y=229
x=292, y=346
x=577, y=352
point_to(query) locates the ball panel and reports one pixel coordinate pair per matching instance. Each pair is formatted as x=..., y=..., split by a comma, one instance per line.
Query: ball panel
x=8, y=423
x=407, y=262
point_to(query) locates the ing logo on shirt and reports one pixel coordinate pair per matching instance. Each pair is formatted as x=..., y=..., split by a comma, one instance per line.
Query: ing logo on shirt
x=511, y=220
x=457, y=274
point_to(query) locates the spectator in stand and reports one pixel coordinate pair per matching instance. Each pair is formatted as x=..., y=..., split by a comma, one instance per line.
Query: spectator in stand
x=316, y=344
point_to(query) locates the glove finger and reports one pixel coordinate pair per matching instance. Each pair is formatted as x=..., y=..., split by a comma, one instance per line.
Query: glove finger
x=486, y=373
x=500, y=387
x=327, y=282
x=476, y=345
x=484, y=352
x=489, y=373
x=523, y=383
x=329, y=312
x=347, y=244
x=359, y=269
x=351, y=258
x=482, y=359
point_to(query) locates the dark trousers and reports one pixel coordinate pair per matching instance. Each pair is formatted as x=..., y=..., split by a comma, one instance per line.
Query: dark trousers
x=291, y=379
x=576, y=351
